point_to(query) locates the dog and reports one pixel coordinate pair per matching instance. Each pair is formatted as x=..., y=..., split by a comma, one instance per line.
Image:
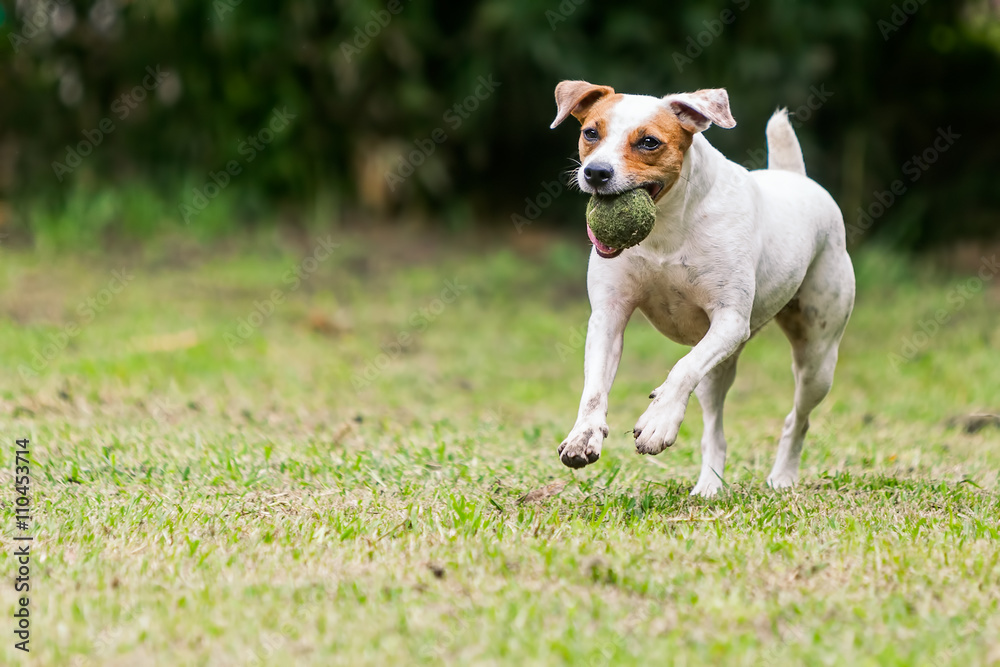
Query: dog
x=730, y=250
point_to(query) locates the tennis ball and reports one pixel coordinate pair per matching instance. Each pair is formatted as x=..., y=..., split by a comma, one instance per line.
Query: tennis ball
x=621, y=221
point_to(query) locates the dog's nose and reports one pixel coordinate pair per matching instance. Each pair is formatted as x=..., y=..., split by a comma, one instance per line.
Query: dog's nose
x=598, y=173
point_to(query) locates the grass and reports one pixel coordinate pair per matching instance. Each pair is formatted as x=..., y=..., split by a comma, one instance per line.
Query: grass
x=292, y=497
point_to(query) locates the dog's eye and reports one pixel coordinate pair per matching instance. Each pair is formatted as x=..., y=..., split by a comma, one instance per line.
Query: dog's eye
x=590, y=134
x=649, y=143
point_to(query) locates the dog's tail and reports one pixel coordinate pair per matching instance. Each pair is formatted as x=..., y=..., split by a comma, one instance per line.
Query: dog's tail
x=783, y=150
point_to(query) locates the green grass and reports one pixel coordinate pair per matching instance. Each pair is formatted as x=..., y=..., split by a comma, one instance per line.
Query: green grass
x=201, y=503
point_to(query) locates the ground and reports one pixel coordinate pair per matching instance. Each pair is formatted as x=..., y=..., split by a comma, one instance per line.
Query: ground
x=289, y=453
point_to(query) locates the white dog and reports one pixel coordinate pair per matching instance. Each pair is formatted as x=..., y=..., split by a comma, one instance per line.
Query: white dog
x=730, y=250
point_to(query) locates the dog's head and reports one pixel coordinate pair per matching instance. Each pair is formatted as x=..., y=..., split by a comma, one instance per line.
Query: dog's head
x=633, y=141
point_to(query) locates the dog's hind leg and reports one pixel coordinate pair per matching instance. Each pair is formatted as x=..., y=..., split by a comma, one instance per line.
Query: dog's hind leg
x=711, y=393
x=814, y=321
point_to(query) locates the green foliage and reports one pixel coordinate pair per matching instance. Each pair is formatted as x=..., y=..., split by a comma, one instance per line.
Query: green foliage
x=95, y=217
x=390, y=120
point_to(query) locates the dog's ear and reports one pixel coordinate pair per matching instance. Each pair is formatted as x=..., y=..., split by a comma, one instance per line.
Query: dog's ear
x=697, y=110
x=576, y=98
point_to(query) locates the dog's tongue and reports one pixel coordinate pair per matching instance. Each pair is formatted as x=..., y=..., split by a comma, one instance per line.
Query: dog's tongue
x=601, y=248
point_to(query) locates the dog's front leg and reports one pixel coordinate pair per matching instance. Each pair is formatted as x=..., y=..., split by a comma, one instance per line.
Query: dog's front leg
x=657, y=428
x=605, y=338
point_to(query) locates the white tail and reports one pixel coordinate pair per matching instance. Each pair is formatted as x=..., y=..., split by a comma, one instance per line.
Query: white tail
x=783, y=150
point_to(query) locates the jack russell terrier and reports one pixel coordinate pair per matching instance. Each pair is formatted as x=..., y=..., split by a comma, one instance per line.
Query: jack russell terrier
x=730, y=250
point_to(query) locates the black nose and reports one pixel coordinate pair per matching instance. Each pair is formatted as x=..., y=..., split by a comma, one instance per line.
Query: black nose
x=598, y=173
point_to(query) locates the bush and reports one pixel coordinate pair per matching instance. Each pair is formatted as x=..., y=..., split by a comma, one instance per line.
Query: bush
x=400, y=107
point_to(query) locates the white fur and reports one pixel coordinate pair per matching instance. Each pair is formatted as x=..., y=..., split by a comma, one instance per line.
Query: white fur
x=784, y=150
x=730, y=251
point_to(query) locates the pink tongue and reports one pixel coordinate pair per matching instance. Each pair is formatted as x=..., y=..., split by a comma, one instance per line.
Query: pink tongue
x=607, y=250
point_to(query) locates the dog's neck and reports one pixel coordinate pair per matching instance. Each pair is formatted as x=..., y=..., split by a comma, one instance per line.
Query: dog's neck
x=674, y=211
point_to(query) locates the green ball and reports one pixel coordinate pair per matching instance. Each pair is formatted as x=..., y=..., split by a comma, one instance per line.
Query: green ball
x=621, y=221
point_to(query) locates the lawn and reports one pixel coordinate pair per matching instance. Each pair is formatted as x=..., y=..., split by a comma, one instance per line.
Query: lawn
x=339, y=449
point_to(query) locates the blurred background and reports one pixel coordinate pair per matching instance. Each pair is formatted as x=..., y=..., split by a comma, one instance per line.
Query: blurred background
x=121, y=119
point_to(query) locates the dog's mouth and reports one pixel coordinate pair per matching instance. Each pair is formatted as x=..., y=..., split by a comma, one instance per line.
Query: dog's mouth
x=654, y=188
x=607, y=252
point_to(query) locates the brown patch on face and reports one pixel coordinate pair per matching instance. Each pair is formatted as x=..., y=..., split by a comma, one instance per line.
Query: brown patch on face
x=661, y=165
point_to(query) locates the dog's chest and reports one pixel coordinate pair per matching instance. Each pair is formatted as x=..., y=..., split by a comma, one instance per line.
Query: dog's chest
x=673, y=300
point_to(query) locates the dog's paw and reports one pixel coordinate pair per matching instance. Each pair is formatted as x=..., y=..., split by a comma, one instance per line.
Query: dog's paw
x=782, y=480
x=657, y=428
x=583, y=445
x=709, y=485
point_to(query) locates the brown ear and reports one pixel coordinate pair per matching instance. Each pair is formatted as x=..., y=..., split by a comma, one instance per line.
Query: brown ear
x=697, y=110
x=576, y=98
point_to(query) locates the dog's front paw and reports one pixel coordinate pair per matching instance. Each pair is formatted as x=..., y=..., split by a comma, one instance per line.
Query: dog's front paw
x=583, y=445
x=782, y=479
x=657, y=428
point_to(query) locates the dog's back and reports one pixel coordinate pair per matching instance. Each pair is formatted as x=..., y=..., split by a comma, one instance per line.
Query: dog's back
x=797, y=202
x=799, y=221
